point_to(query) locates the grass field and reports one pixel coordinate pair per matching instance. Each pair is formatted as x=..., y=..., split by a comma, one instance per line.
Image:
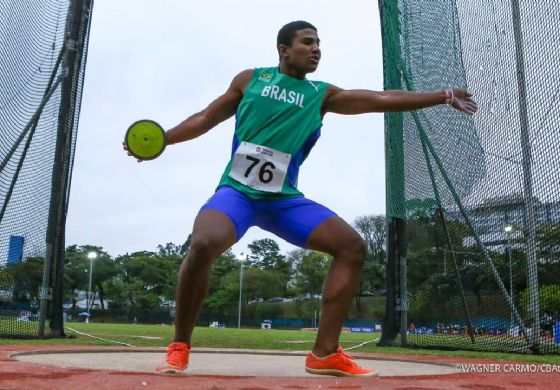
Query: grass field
x=486, y=343
x=296, y=340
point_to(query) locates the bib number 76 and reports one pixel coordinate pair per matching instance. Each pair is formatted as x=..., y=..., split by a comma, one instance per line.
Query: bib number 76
x=265, y=172
x=260, y=167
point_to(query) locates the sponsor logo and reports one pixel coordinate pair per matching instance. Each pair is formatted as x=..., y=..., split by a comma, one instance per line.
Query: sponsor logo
x=264, y=151
x=265, y=76
x=267, y=152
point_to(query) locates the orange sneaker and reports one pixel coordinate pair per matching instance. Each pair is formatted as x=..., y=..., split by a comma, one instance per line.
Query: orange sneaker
x=337, y=364
x=177, y=359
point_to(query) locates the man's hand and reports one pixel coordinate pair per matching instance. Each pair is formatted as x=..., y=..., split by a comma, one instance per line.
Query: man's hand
x=462, y=101
x=125, y=147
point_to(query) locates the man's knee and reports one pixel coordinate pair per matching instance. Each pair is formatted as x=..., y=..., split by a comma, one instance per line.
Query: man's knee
x=359, y=248
x=202, y=252
x=354, y=248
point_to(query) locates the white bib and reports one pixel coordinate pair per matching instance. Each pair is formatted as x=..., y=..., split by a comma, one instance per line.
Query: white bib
x=260, y=167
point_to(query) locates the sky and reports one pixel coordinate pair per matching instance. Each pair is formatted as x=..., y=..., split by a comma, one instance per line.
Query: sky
x=166, y=60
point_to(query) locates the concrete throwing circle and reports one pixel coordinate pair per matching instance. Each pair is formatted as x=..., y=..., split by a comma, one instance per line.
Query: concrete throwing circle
x=220, y=363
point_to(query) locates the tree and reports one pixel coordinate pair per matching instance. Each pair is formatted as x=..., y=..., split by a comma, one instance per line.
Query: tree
x=261, y=283
x=7, y=284
x=224, y=284
x=121, y=292
x=265, y=254
x=104, y=268
x=223, y=300
x=186, y=245
x=294, y=258
x=158, y=273
x=373, y=229
x=269, y=310
x=76, y=268
x=27, y=277
x=226, y=263
x=549, y=299
x=311, y=272
x=548, y=239
x=145, y=280
x=170, y=250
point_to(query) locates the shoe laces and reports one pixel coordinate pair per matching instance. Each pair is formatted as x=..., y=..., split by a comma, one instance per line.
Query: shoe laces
x=176, y=354
x=345, y=358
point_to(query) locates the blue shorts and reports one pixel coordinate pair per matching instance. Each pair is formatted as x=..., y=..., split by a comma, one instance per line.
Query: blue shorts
x=291, y=219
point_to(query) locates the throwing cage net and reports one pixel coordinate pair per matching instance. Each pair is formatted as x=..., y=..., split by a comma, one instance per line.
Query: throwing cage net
x=43, y=47
x=473, y=202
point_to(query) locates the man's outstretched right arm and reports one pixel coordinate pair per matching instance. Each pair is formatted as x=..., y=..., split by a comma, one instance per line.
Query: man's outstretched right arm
x=218, y=111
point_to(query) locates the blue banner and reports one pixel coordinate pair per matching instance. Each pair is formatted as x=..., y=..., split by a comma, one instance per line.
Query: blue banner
x=15, y=249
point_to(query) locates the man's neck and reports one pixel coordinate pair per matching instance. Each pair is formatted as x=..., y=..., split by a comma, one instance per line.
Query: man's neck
x=290, y=71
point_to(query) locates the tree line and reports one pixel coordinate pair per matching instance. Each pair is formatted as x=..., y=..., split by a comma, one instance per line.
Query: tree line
x=439, y=265
x=146, y=279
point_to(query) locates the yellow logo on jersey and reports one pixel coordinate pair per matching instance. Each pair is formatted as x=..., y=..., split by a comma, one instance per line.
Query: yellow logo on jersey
x=265, y=76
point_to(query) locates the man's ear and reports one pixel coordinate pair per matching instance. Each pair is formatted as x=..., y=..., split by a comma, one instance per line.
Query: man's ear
x=282, y=50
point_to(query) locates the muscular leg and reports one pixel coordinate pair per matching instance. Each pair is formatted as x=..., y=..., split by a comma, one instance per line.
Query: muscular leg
x=213, y=233
x=337, y=238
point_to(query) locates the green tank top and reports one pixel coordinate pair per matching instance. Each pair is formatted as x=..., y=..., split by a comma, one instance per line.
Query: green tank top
x=278, y=122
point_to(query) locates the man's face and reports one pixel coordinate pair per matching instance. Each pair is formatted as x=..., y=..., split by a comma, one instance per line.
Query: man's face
x=304, y=54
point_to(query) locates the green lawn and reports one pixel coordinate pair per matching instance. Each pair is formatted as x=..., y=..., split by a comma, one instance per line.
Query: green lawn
x=160, y=335
x=483, y=343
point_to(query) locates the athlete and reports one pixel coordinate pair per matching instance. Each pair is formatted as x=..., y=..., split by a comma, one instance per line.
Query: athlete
x=279, y=115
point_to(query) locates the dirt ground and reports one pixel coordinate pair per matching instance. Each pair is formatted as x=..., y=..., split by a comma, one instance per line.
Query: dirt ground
x=85, y=368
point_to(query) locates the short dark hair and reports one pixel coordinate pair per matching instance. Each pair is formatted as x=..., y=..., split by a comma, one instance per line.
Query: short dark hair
x=288, y=32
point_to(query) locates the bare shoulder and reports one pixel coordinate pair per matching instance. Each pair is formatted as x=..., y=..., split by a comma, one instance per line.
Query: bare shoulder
x=332, y=91
x=242, y=79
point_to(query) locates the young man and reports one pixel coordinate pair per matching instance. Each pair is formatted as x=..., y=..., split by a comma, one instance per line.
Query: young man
x=279, y=116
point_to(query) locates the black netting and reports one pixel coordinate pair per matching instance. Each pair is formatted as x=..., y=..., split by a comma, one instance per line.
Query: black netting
x=480, y=195
x=42, y=63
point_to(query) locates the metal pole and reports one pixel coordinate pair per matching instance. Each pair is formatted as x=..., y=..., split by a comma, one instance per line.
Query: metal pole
x=77, y=25
x=445, y=263
x=403, y=301
x=240, y=295
x=532, y=275
x=394, y=157
x=44, y=291
x=510, y=276
x=89, y=301
x=89, y=289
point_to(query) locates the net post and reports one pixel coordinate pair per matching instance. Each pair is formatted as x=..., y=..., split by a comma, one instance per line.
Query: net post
x=394, y=158
x=392, y=321
x=77, y=29
x=529, y=200
x=402, y=304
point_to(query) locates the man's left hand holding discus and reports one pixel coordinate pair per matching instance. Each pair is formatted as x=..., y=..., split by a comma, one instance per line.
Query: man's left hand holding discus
x=144, y=140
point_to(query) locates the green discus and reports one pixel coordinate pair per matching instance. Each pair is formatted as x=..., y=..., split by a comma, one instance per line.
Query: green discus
x=145, y=139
